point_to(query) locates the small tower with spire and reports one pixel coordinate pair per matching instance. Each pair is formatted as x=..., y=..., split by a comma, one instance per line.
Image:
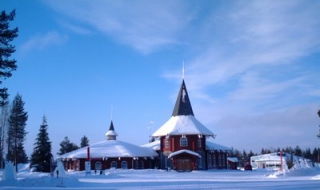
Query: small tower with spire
x=111, y=134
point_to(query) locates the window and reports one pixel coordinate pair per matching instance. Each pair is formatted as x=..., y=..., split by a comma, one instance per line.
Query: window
x=98, y=166
x=141, y=164
x=124, y=165
x=199, y=142
x=214, y=160
x=223, y=163
x=209, y=160
x=135, y=164
x=167, y=143
x=183, y=141
x=113, y=164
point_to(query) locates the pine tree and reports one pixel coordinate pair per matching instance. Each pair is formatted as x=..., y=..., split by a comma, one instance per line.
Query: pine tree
x=6, y=65
x=298, y=151
x=84, y=142
x=41, y=156
x=16, y=132
x=67, y=146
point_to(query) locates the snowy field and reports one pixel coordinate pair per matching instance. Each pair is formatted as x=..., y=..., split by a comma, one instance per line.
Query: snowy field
x=305, y=178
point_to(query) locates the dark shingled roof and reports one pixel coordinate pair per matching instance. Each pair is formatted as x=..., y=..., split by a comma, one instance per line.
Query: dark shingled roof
x=111, y=128
x=183, y=104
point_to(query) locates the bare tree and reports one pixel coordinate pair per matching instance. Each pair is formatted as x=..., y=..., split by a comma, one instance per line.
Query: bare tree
x=3, y=131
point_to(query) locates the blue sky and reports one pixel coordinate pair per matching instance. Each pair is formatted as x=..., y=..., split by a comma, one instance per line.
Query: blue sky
x=251, y=68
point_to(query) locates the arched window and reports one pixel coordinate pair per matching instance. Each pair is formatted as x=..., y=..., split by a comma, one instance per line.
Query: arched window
x=113, y=164
x=98, y=166
x=183, y=141
x=124, y=165
x=135, y=164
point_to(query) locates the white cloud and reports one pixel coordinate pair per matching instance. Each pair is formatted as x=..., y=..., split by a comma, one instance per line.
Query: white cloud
x=75, y=28
x=255, y=52
x=290, y=127
x=249, y=36
x=40, y=42
x=143, y=25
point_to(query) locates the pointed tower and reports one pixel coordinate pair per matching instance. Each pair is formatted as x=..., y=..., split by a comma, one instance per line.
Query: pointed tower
x=183, y=138
x=182, y=121
x=111, y=134
x=183, y=104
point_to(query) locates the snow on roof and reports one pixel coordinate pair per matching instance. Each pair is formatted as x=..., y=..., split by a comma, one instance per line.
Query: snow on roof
x=213, y=146
x=233, y=159
x=182, y=125
x=111, y=148
x=183, y=151
x=111, y=133
x=155, y=145
x=275, y=156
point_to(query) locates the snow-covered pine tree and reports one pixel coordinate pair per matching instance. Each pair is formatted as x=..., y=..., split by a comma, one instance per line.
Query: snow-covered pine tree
x=41, y=155
x=67, y=146
x=84, y=142
x=16, y=132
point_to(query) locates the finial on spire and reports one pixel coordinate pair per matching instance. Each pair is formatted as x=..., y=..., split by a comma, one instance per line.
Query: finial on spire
x=183, y=70
x=111, y=112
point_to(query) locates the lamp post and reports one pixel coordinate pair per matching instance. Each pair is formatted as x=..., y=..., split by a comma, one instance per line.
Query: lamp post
x=319, y=125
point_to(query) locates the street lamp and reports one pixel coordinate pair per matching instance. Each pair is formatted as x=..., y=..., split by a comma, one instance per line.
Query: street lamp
x=319, y=125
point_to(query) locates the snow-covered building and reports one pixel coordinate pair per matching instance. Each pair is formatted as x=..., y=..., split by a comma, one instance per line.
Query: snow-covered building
x=182, y=144
x=183, y=140
x=110, y=153
x=278, y=160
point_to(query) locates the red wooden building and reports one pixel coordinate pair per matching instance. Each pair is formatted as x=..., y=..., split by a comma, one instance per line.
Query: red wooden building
x=111, y=153
x=183, y=140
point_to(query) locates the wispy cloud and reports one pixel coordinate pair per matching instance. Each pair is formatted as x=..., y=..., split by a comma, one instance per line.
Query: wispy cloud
x=40, y=42
x=244, y=71
x=257, y=34
x=143, y=25
x=288, y=127
x=249, y=79
x=76, y=28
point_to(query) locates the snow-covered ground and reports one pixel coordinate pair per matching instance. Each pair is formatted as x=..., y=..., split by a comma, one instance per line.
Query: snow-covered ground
x=302, y=178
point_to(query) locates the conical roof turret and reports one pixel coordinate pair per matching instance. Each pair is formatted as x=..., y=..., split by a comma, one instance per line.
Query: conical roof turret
x=183, y=104
x=111, y=134
x=182, y=121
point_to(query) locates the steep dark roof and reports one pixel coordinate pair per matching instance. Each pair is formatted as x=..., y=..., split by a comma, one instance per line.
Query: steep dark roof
x=111, y=128
x=183, y=104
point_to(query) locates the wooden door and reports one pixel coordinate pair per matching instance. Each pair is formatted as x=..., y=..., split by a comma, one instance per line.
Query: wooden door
x=184, y=165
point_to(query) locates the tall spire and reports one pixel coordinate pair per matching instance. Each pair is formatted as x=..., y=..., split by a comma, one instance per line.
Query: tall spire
x=183, y=104
x=183, y=70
